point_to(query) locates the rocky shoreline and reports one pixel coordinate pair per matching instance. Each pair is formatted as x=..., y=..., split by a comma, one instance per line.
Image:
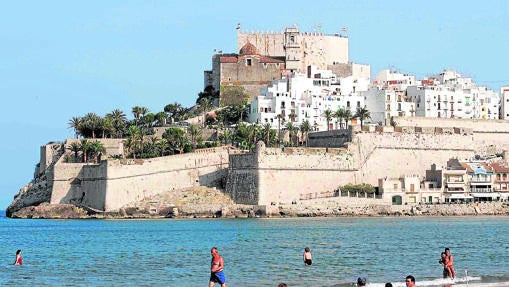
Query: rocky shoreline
x=69, y=211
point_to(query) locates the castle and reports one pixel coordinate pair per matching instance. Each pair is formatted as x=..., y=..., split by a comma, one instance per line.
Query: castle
x=264, y=57
x=269, y=175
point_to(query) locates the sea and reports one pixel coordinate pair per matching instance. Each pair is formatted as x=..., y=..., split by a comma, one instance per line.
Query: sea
x=256, y=251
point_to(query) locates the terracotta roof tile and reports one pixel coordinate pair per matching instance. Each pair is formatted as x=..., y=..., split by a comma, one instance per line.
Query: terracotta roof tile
x=264, y=59
x=228, y=59
x=499, y=168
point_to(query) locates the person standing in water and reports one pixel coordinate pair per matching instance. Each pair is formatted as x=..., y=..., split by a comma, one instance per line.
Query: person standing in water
x=307, y=257
x=443, y=262
x=449, y=261
x=19, y=259
x=410, y=281
x=216, y=269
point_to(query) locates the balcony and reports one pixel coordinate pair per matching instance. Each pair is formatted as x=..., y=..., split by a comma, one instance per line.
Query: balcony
x=455, y=184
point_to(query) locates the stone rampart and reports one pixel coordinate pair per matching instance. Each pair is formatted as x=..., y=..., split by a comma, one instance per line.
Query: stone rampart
x=283, y=175
x=112, y=146
x=334, y=138
x=114, y=183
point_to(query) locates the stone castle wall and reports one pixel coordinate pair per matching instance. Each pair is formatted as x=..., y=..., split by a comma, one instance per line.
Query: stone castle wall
x=284, y=176
x=114, y=183
x=316, y=48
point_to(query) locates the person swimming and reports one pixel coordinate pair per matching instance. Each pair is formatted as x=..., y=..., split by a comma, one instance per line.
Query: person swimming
x=307, y=257
x=19, y=259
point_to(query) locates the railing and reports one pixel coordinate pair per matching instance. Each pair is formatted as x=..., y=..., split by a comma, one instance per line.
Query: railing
x=338, y=193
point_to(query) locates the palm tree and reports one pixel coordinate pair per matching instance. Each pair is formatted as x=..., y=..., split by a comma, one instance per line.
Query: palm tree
x=133, y=140
x=347, y=116
x=362, y=114
x=163, y=145
x=75, y=148
x=266, y=129
x=280, y=118
x=305, y=128
x=91, y=123
x=205, y=105
x=85, y=149
x=74, y=123
x=328, y=117
x=340, y=114
x=290, y=127
x=97, y=148
x=194, y=133
x=138, y=112
x=161, y=118
x=118, y=119
x=176, y=138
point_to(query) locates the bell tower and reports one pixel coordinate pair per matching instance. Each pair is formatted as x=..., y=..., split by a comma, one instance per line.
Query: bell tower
x=292, y=49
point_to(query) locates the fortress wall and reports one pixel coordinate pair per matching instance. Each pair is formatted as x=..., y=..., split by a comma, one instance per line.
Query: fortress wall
x=112, y=146
x=63, y=174
x=242, y=180
x=127, y=183
x=48, y=155
x=476, y=125
x=334, y=138
x=292, y=184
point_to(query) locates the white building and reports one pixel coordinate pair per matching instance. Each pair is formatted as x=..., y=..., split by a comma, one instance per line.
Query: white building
x=388, y=97
x=307, y=97
x=449, y=95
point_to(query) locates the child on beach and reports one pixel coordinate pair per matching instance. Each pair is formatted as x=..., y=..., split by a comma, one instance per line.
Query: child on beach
x=307, y=257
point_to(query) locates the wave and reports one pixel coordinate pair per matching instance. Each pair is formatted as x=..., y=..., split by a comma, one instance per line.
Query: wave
x=469, y=281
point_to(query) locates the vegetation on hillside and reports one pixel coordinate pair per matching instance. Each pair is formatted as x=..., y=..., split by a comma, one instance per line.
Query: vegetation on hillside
x=212, y=126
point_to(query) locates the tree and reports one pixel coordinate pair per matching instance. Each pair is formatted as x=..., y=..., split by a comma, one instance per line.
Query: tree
x=362, y=114
x=75, y=148
x=85, y=149
x=161, y=118
x=266, y=132
x=91, y=124
x=176, y=138
x=163, y=145
x=96, y=148
x=280, y=119
x=232, y=95
x=194, y=132
x=173, y=111
x=119, y=121
x=74, y=123
x=208, y=93
x=205, y=105
x=340, y=114
x=328, y=117
x=291, y=129
x=305, y=128
x=347, y=116
x=134, y=140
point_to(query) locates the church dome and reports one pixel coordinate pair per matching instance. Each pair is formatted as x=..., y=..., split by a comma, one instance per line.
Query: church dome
x=248, y=49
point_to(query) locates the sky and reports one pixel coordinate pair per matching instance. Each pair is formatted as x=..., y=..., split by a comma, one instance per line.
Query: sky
x=60, y=59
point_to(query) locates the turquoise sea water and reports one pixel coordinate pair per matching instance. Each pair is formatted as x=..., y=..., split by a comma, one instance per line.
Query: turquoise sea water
x=257, y=252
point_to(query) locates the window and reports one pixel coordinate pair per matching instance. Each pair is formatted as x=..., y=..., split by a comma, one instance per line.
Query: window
x=395, y=186
x=348, y=104
x=248, y=62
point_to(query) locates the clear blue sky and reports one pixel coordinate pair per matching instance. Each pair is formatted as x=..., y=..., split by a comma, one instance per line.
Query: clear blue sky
x=60, y=59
